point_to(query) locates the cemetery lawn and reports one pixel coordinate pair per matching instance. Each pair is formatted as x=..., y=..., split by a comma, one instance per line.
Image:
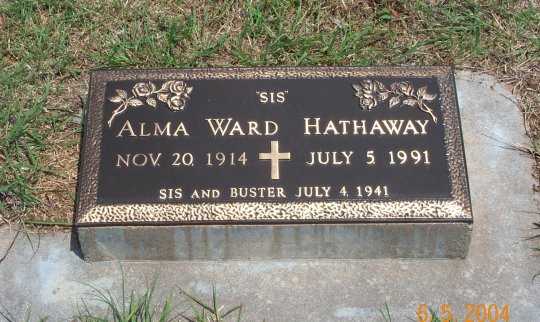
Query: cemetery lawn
x=48, y=47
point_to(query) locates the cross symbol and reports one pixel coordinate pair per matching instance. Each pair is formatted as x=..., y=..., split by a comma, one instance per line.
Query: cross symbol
x=275, y=156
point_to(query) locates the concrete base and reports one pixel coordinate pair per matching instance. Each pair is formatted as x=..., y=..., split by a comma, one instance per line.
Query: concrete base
x=335, y=241
x=427, y=216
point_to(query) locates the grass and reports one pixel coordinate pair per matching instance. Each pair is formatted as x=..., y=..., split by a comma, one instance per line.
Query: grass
x=142, y=308
x=126, y=309
x=32, y=69
x=101, y=305
x=212, y=312
x=10, y=318
x=48, y=46
x=386, y=313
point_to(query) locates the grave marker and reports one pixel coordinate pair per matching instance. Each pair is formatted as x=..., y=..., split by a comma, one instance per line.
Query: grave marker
x=273, y=163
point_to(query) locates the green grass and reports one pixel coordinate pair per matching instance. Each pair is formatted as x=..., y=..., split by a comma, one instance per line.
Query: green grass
x=100, y=305
x=213, y=312
x=48, y=46
x=10, y=318
x=34, y=55
x=126, y=309
x=142, y=308
x=311, y=33
x=386, y=313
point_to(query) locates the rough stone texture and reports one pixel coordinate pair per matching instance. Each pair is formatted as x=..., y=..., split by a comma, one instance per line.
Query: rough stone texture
x=338, y=241
x=498, y=269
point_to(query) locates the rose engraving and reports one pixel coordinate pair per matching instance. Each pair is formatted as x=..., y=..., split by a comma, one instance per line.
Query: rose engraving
x=371, y=92
x=173, y=93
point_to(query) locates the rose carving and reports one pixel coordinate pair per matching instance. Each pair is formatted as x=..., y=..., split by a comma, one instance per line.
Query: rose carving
x=176, y=103
x=368, y=102
x=371, y=92
x=177, y=87
x=404, y=88
x=173, y=93
x=142, y=90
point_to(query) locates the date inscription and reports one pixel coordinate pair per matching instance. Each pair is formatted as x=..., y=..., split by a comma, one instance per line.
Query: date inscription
x=219, y=159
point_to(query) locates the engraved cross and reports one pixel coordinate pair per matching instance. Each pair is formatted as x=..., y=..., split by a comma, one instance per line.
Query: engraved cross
x=275, y=156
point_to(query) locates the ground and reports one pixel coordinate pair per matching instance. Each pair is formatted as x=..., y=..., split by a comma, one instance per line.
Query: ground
x=48, y=47
x=48, y=276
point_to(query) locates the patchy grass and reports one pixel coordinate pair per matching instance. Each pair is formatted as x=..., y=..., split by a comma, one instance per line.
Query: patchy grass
x=126, y=308
x=100, y=305
x=48, y=46
x=213, y=312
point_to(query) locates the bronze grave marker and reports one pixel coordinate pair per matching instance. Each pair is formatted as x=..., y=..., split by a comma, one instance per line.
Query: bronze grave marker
x=273, y=163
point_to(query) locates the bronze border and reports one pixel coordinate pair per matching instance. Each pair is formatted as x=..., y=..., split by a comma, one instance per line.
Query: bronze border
x=458, y=208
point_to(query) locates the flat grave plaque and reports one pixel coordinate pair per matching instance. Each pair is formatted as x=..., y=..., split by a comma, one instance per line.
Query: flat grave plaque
x=273, y=163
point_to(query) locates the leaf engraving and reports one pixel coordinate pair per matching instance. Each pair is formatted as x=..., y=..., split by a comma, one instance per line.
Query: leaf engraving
x=116, y=99
x=152, y=102
x=394, y=101
x=135, y=102
x=410, y=102
x=383, y=96
x=163, y=97
x=421, y=92
x=121, y=93
x=429, y=97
